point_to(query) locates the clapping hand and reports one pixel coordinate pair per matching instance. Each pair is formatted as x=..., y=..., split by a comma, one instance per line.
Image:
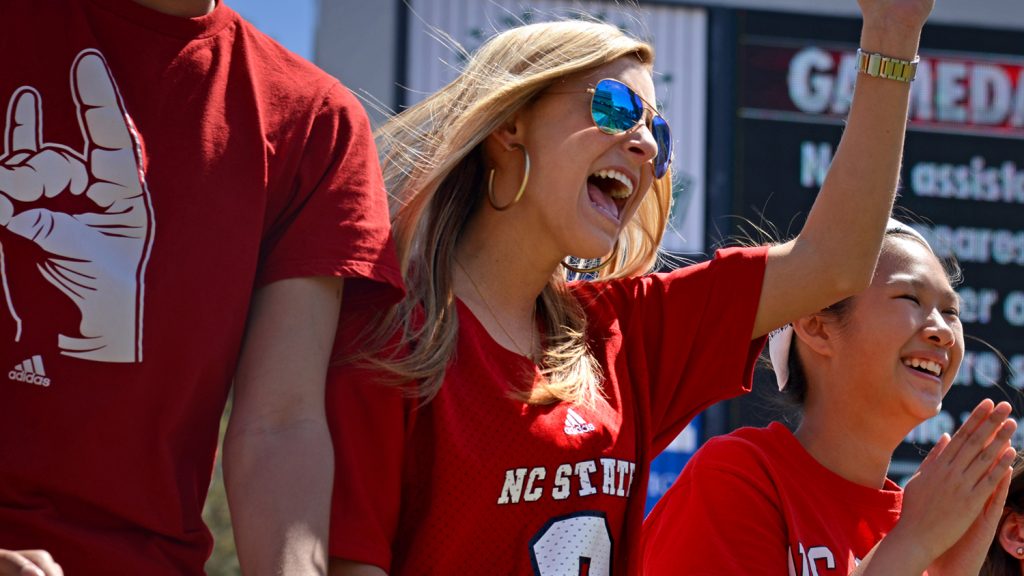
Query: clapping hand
x=952, y=505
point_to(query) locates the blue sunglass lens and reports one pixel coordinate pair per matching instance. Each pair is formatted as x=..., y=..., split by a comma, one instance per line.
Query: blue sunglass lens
x=615, y=107
x=663, y=136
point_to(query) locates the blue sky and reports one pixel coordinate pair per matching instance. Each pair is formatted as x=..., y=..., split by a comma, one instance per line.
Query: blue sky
x=290, y=22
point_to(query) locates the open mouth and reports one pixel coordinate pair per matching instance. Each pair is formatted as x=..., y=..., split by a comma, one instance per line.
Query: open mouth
x=929, y=367
x=609, y=190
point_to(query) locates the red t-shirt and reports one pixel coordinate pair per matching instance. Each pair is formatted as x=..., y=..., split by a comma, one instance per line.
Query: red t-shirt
x=476, y=482
x=201, y=160
x=755, y=502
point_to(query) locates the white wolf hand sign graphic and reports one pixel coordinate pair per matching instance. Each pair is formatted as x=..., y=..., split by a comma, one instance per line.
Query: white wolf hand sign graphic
x=98, y=258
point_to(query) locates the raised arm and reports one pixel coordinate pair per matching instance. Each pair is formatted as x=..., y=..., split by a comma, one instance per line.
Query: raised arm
x=278, y=461
x=835, y=253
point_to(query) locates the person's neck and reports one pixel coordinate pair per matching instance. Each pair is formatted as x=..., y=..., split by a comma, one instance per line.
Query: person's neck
x=183, y=8
x=506, y=258
x=500, y=272
x=850, y=442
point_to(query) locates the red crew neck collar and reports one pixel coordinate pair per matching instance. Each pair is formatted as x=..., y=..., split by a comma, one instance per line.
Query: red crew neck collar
x=178, y=26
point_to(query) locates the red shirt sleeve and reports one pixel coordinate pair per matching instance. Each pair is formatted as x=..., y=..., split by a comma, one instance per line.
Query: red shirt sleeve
x=721, y=518
x=368, y=422
x=686, y=335
x=332, y=219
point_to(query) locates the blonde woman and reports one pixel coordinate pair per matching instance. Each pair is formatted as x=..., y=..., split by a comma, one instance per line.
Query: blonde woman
x=505, y=419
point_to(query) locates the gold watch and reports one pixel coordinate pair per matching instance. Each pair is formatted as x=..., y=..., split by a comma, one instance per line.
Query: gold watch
x=879, y=66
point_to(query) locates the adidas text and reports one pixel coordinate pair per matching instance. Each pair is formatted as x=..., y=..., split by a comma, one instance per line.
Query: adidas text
x=29, y=378
x=580, y=429
x=30, y=371
x=576, y=424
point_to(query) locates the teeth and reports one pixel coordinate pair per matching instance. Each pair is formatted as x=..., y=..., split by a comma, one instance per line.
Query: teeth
x=928, y=365
x=627, y=185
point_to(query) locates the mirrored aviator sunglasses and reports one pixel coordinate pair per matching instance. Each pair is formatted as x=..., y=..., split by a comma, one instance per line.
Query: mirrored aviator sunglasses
x=616, y=108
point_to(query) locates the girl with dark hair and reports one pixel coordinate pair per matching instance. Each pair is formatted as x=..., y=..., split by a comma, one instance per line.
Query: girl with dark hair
x=817, y=501
x=1006, y=554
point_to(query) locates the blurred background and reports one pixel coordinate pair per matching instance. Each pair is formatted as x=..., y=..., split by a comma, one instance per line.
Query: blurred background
x=756, y=92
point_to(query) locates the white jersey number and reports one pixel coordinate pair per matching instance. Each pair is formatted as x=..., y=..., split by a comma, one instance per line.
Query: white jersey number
x=579, y=544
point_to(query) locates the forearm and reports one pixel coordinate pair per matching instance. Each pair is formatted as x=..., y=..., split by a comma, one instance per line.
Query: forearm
x=846, y=224
x=835, y=254
x=278, y=482
x=895, y=555
x=278, y=458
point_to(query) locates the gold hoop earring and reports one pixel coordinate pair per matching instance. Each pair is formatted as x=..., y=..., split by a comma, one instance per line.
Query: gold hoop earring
x=522, y=185
x=592, y=269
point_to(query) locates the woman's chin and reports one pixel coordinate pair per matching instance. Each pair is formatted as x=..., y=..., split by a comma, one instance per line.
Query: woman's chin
x=924, y=411
x=597, y=248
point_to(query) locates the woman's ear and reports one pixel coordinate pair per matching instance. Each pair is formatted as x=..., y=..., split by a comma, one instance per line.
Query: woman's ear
x=1011, y=534
x=505, y=145
x=510, y=133
x=817, y=332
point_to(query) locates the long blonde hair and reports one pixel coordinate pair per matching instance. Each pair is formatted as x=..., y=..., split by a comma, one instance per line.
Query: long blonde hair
x=433, y=162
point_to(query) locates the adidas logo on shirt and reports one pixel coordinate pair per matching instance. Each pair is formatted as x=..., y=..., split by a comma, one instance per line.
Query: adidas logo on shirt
x=575, y=424
x=30, y=371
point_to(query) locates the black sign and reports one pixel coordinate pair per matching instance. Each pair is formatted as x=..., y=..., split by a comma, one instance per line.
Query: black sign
x=963, y=175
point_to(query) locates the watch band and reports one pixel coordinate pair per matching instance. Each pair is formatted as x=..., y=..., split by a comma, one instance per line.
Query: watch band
x=879, y=66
